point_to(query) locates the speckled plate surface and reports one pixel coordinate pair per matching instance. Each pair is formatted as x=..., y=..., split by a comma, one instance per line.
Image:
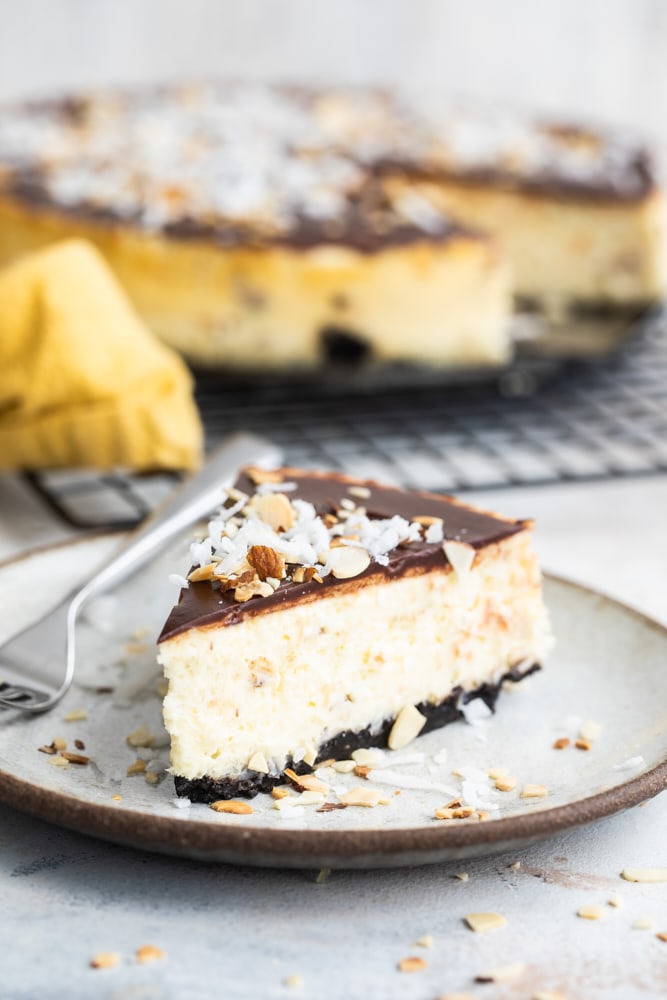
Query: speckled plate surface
x=608, y=666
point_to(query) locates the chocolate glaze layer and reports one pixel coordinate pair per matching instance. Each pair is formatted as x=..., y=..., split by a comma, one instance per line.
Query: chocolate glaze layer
x=341, y=746
x=202, y=604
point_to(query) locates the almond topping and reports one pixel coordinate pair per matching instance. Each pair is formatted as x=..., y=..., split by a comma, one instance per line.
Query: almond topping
x=256, y=588
x=138, y=767
x=503, y=974
x=58, y=761
x=561, y=743
x=368, y=797
x=306, y=782
x=408, y=725
x=104, y=960
x=279, y=792
x=644, y=874
x=367, y=756
x=258, y=763
x=462, y=812
x=592, y=912
x=348, y=561
x=482, y=922
x=344, y=766
x=266, y=561
x=141, y=737
x=460, y=555
x=275, y=510
x=76, y=715
x=149, y=953
x=411, y=964
x=202, y=573
x=662, y=935
x=258, y=476
x=533, y=792
x=582, y=744
x=505, y=784
x=232, y=806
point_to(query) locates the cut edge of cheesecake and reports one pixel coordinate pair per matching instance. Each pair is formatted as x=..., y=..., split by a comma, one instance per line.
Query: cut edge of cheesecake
x=305, y=670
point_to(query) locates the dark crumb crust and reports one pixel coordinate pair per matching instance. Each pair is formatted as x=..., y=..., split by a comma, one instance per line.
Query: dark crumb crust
x=341, y=746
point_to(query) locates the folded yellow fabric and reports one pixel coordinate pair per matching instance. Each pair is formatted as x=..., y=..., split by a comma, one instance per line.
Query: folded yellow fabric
x=82, y=379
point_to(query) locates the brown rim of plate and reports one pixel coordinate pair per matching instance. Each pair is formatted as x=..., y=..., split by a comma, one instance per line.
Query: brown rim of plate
x=245, y=843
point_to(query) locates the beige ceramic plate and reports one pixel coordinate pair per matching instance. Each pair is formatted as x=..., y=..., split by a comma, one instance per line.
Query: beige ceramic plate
x=609, y=666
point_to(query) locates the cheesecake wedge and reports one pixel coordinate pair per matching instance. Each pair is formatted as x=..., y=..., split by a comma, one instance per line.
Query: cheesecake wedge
x=323, y=614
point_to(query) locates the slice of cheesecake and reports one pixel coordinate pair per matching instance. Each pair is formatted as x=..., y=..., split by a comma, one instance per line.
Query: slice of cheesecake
x=325, y=614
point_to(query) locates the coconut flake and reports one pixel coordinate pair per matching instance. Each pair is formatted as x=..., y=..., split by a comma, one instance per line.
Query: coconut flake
x=630, y=764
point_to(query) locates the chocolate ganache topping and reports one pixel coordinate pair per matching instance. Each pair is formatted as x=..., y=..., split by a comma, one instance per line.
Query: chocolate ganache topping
x=389, y=532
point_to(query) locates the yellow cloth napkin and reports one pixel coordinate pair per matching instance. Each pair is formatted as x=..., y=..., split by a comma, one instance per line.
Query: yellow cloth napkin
x=82, y=379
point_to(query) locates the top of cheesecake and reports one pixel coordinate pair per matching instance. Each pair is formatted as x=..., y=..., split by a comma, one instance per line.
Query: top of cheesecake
x=249, y=163
x=286, y=536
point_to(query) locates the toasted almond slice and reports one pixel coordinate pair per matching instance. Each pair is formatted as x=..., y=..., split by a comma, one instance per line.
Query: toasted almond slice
x=138, y=767
x=425, y=942
x=258, y=475
x=348, y=561
x=533, y=792
x=497, y=772
x=482, y=922
x=59, y=761
x=368, y=797
x=255, y=588
x=408, y=725
x=644, y=874
x=367, y=756
x=149, y=953
x=201, y=573
x=104, y=960
x=59, y=743
x=505, y=784
x=561, y=743
x=258, y=763
x=362, y=770
x=344, y=766
x=662, y=935
x=76, y=715
x=590, y=730
x=460, y=555
x=275, y=510
x=362, y=492
x=582, y=744
x=592, y=912
x=306, y=782
x=232, y=806
x=279, y=792
x=463, y=812
x=414, y=963
x=141, y=737
x=502, y=974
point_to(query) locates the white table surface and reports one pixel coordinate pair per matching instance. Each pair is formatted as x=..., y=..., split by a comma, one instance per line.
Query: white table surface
x=239, y=932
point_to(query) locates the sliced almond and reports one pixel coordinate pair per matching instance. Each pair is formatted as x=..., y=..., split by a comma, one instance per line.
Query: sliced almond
x=279, y=792
x=460, y=555
x=258, y=476
x=462, y=812
x=561, y=743
x=149, y=953
x=367, y=797
x=408, y=725
x=662, y=935
x=482, y=922
x=502, y=974
x=505, y=784
x=592, y=912
x=344, y=766
x=310, y=756
x=582, y=744
x=232, y=806
x=414, y=963
x=306, y=782
x=256, y=588
x=59, y=761
x=138, y=767
x=362, y=492
x=141, y=737
x=258, y=763
x=275, y=510
x=348, y=561
x=533, y=792
x=266, y=561
x=644, y=874
x=367, y=756
x=201, y=573
x=104, y=960
x=425, y=942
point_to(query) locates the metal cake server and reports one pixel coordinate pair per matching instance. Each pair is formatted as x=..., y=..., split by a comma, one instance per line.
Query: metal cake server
x=29, y=660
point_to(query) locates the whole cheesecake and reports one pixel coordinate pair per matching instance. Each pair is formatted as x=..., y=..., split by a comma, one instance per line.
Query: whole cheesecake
x=324, y=614
x=283, y=228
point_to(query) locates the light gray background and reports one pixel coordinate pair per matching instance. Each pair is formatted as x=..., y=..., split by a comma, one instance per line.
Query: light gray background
x=603, y=59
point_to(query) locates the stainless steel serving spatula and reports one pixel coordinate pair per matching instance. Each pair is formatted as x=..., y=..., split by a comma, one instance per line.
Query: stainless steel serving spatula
x=32, y=662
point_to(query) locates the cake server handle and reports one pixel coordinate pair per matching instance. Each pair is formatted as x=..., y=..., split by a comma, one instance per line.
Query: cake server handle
x=27, y=659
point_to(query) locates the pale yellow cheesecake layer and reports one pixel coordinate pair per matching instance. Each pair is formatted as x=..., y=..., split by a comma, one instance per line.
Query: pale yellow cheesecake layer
x=438, y=303
x=281, y=682
x=568, y=251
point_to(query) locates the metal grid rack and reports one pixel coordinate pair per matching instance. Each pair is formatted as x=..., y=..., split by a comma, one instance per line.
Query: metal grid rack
x=586, y=421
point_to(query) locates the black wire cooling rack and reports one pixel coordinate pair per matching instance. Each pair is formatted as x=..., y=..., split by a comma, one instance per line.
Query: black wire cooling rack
x=582, y=421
